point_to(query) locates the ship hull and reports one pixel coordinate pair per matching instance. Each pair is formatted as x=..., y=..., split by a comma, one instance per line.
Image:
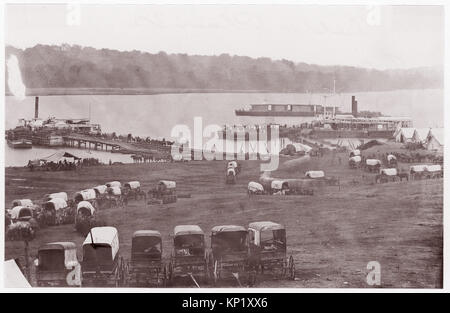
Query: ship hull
x=20, y=144
x=273, y=113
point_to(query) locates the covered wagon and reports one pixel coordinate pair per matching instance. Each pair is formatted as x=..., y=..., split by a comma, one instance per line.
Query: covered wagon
x=133, y=189
x=391, y=160
x=54, y=211
x=267, y=249
x=22, y=202
x=229, y=252
x=255, y=188
x=234, y=165
x=230, y=176
x=315, y=174
x=373, y=165
x=85, y=217
x=133, y=185
x=355, y=152
x=114, y=196
x=85, y=195
x=100, y=191
x=279, y=187
x=56, y=195
x=433, y=171
x=189, y=258
x=101, y=195
x=354, y=161
x=164, y=192
x=387, y=174
x=114, y=184
x=102, y=265
x=20, y=213
x=417, y=171
x=57, y=265
x=146, y=267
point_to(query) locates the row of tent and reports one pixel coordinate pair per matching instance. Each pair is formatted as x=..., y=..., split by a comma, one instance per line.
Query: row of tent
x=431, y=138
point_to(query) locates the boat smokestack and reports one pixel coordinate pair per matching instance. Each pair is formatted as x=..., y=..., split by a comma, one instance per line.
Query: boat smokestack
x=36, y=107
x=354, y=107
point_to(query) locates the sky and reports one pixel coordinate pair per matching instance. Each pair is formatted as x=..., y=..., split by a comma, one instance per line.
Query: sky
x=378, y=37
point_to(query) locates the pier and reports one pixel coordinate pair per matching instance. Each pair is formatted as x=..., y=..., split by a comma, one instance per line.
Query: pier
x=88, y=142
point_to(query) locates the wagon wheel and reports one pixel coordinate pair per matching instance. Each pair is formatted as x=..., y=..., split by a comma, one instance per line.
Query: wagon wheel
x=164, y=276
x=124, y=280
x=291, y=268
x=252, y=278
x=116, y=278
x=284, y=269
x=206, y=270
x=170, y=273
x=216, y=272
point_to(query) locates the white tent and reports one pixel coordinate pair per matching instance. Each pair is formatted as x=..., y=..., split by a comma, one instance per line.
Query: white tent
x=13, y=276
x=420, y=135
x=435, y=139
x=404, y=134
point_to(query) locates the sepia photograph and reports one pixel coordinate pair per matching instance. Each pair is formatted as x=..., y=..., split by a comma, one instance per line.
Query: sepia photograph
x=280, y=146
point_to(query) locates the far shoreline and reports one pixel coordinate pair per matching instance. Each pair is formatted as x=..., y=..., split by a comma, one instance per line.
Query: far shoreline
x=167, y=91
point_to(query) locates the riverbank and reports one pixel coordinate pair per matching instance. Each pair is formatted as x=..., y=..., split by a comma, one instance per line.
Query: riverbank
x=19, y=158
x=124, y=91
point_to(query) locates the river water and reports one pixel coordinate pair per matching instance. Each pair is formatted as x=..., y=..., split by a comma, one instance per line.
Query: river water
x=156, y=115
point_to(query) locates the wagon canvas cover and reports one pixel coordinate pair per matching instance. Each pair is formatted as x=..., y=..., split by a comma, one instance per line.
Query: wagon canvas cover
x=355, y=159
x=315, y=174
x=86, y=205
x=391, y=157
x=373, y=162
x=15, y=212
x=114, y=184
x=277, y=184
x=22, y=202
x=115, y=190
x=101, y=189
x=133, y=184
x=87, y=194
x=56, y=203
x=389, y=171
x=254, y=186
x=433, y=168
x=58, y=195
x=418, y=168
x=104, y=235
x=168, y=183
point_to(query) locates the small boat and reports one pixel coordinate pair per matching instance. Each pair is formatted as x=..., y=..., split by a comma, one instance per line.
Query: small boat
x=20, y=144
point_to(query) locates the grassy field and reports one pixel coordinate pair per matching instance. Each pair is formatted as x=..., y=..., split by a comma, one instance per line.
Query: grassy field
x=331, y=235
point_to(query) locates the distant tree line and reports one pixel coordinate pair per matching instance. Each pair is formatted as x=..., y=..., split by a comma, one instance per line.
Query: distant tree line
x=65, y=66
